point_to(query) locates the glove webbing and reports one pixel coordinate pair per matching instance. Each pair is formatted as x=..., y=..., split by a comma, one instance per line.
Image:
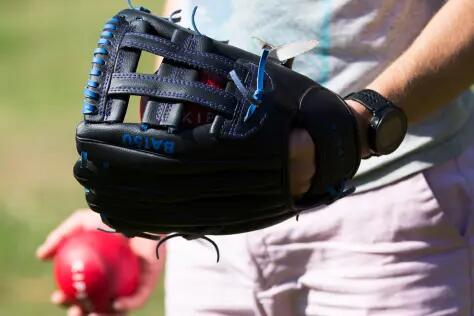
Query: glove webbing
x=121, y=81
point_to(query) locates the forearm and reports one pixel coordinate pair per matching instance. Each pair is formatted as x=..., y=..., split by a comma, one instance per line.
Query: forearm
x=432, y=71
x=436, y=67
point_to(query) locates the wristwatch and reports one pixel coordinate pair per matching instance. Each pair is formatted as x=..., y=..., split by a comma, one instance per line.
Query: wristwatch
x=388, y=124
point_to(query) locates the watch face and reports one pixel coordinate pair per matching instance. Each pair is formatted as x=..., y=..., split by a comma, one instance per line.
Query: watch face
x=390, y=131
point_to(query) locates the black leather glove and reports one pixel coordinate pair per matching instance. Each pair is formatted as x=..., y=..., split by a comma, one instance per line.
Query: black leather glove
x=228, y=174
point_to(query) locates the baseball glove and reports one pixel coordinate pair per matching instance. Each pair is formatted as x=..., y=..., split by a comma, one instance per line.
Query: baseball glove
x=210, y=155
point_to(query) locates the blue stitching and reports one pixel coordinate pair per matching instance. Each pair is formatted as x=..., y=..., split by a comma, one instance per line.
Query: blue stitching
x=98, y=61
x=166, y=113
x=107, y=34
x=249, y=79
x=165, y=53
x=101, y=51
x=234, y=123
x=242, y=102
x=190, y=61
x=151, y=37
x=91, y=94
x=232, y=130
x=92, y=83
x=159, y=112
x=166, y=42
x=109, y=26
x=88, y=108
x=200, y=85
x=210, y=56
x=157, y=92
x=113, y=20
x=160, y=93
x=119, y=63
x=95, y=72
x=104, y=41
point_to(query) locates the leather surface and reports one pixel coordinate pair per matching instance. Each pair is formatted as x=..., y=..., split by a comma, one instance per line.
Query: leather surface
x=222, y=175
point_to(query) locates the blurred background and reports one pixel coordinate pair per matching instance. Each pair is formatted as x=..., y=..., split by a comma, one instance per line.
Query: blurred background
x=45, y=52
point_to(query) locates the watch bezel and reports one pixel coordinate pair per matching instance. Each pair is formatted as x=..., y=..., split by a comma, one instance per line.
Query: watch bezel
x=377, y=123
x=381, y=110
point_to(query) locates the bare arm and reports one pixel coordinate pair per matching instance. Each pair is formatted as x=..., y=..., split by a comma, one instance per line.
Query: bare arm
x=435, y=68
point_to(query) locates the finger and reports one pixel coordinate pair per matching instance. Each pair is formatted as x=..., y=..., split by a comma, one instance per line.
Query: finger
x=75, y=311
x=302, y=162
x=301, y=144
x=300, y=179
x=59, y=298
x=54, y=239
x=147, y=284
x=133, y=302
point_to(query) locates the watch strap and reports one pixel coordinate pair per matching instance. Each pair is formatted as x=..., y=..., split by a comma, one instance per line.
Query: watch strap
x=371, y=99
x=381, y=109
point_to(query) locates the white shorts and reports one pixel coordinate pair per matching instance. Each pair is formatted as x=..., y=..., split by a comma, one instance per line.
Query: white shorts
x=403, y=249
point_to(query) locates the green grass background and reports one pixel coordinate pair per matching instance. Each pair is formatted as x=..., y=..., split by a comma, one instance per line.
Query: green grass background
x=45, y=52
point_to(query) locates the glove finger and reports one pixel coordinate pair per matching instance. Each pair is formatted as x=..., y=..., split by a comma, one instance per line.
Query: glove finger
x=178, y=188
x=210, y=210
x=126, y=224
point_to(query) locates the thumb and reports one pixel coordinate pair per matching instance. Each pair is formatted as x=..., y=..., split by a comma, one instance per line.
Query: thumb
x=49, y=247
x=133, y=302
x=59, y=298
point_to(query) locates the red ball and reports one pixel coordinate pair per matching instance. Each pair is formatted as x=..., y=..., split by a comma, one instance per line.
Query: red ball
x=93, y=268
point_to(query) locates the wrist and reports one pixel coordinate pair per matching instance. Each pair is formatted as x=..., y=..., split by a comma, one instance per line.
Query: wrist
x=382, y=124
x=362, y=116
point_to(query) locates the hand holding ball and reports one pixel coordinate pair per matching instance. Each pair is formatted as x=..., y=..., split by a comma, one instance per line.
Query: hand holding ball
x=93, y=268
